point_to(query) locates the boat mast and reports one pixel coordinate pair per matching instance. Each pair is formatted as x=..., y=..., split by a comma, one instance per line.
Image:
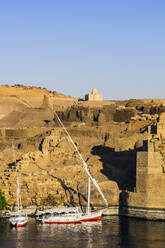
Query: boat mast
x=82, y=160
x=18, y=191
x=17, y=182
x=89, y=194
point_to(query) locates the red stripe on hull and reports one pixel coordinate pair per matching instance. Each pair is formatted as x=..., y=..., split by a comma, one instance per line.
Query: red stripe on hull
x=97, y=218
x=19, y=225
x=62, y=222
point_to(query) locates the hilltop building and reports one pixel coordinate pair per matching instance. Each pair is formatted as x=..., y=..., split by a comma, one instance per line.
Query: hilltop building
x=94, y=96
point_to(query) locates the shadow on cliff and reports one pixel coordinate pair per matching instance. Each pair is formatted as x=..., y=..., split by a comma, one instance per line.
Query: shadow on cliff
x=13, y=164
x=70, y=192
x=118, y=166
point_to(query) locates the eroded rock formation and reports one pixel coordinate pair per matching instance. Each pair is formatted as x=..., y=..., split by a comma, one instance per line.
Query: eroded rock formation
x=109, y=136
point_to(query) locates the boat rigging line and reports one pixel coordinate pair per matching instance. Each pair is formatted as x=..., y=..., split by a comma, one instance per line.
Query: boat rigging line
x=82, y=160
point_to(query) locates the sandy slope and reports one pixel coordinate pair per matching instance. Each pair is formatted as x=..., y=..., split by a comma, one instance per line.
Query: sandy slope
x=17, y=98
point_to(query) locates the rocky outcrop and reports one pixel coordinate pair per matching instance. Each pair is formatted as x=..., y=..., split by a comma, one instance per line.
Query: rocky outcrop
x=34, y=117
x=121, y=141
x=104, y=114
x=51, y=172
x=55, y=176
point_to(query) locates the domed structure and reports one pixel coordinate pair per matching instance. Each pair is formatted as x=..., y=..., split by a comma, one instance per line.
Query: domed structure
x=94, y=96
x=94, y=91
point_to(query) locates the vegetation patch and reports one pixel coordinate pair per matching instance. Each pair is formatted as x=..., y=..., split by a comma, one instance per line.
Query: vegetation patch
x=3, y=201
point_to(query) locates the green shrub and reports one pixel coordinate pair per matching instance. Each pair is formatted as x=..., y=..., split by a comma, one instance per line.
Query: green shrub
x=3, y=201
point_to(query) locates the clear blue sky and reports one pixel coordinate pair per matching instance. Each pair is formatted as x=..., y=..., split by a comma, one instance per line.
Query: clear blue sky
x=72, y=46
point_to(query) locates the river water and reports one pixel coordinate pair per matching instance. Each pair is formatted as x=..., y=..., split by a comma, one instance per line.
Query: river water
x=111, y=232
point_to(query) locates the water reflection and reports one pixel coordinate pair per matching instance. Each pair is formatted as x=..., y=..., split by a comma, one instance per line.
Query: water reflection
x=4, y=227
x=72, y=235
x=19, y=236
x=141, y=233
x=87, y=226
x=111, y=232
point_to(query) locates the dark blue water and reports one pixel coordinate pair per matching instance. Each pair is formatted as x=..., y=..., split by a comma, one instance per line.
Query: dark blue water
x=111, y=232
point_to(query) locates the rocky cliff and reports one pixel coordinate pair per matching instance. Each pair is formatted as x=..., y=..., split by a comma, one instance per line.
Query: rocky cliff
x=108, y=135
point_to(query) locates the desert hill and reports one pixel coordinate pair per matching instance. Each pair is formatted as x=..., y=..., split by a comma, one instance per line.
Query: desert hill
x=19, y=97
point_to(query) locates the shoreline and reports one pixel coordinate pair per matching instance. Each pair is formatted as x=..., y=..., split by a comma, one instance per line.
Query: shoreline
x=132, y=212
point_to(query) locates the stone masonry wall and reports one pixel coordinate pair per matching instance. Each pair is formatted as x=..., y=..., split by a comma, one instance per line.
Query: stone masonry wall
x=150, y=173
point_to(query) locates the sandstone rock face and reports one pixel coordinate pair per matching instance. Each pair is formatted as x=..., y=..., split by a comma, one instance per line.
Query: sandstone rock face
x=28, y=118
x=122, y=143
x=51, y=173
x=56, y=173
x=104, y=114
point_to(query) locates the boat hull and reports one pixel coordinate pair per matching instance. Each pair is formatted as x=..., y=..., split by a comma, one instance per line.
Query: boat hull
x=97, y=218
x=18, y=224
x=62, y=222
x=91, y=217
x=73, y=220
x=18, y=219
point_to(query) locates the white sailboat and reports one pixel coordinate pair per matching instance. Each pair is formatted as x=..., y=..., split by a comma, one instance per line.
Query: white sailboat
x=64, y=216
x=18, y=218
